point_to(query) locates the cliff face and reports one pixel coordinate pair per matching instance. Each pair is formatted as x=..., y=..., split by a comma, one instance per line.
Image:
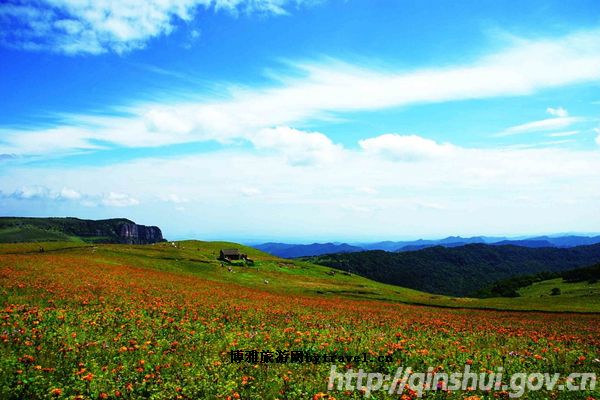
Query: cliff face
x=132, y=233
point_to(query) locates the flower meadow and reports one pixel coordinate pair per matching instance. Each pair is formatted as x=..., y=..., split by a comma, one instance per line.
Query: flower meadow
x=79, y=326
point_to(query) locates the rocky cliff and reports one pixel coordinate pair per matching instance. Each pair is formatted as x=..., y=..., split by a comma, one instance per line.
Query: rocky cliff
x=133, y=233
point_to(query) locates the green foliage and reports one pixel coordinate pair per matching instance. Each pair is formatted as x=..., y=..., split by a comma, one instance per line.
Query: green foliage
x=589, y=274
x=509, y=287
x=461, y=270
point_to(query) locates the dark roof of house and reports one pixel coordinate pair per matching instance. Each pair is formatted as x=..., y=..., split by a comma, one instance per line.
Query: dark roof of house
x=230, y=252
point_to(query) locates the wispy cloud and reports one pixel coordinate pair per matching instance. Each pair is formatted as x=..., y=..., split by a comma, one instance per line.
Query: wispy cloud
x=324, y=89
x=44, y=193
x=548, y=124
x=563, y=134
x=95, y=27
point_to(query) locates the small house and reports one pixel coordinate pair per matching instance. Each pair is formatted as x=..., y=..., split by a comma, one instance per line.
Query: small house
x=231, y=254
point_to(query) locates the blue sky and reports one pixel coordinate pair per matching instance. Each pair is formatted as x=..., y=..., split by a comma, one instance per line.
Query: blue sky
x=304, y=120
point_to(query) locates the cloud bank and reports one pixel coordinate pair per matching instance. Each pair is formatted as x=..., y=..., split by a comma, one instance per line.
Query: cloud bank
x=365, y=192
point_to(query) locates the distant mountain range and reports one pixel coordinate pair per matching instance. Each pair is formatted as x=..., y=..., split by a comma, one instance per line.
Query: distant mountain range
x=286, y=250
x=459, y=271
x=300, y=250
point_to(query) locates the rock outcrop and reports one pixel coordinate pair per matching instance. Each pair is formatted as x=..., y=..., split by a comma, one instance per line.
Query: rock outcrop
x=132, y=233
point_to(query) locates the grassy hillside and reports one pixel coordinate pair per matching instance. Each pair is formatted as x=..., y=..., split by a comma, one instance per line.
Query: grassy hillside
x=458, y=271
x=583, y=291
x=580, y=285
x=29, y=233
x=158, y=321
x=291, y=277
x=21, y=229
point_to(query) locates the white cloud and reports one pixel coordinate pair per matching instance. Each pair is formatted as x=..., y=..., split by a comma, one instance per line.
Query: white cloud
x=32, y=192
x=557, y=112
x=597, y=130
x=97, y=26
x=69, y=194
x=299, y=147
x=324, y=89
x=45, y=193
x=62, y=139
x=406, y=148
x=113, y=199
x=563, y=134
x=541, y=125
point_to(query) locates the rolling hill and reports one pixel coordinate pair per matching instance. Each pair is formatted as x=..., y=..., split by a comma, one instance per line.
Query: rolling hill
x=458, y=271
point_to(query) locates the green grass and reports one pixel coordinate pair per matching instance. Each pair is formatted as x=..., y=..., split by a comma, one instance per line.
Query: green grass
x=583, y=291
x=33, y=234
x=278, y=275
x=574, y=297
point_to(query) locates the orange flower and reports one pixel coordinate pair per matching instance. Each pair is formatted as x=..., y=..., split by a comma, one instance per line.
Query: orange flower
x=56, y=392
x=88, y=377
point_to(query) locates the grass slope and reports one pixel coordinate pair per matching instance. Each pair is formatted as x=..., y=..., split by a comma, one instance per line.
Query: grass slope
x=585, y=291
x=289, y=277
x=28, y=233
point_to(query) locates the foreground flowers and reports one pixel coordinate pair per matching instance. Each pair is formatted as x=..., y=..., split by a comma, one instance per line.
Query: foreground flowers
x=73, y=326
